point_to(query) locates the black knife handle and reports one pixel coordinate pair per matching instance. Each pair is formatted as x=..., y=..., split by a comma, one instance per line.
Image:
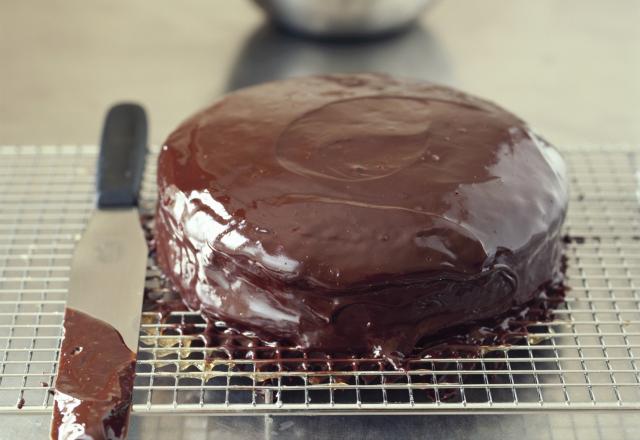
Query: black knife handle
x=123, y=149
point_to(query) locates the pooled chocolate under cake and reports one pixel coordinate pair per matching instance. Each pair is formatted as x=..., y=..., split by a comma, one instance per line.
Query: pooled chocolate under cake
x=357, y=213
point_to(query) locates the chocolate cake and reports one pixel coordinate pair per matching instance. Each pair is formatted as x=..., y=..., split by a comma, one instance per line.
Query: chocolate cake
x=357, y=213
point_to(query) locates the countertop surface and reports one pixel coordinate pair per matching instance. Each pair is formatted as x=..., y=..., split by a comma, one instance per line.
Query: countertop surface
x=570, y=68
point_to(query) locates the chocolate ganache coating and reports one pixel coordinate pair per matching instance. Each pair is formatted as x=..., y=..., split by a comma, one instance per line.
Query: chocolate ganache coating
x=357, y=213
x=94, y=383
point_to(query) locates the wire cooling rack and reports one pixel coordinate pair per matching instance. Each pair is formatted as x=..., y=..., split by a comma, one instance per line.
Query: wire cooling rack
x=585, y=358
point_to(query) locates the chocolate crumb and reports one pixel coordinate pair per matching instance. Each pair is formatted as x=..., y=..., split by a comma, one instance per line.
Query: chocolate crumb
x=573, y=239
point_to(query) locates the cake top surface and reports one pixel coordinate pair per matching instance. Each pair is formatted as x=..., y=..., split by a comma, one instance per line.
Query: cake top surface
x=346, y=180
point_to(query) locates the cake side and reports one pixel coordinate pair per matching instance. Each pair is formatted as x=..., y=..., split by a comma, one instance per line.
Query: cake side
x=350, y=212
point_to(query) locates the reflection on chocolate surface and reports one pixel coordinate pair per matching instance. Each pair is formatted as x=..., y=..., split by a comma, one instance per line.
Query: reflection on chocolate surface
x=94, y=381
x=357, y=213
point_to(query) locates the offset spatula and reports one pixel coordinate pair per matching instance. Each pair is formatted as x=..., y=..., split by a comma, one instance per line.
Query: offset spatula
x=94, y=384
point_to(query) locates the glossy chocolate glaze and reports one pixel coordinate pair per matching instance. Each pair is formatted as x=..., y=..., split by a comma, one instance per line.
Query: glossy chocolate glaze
x=357, y=213
x=94, y=383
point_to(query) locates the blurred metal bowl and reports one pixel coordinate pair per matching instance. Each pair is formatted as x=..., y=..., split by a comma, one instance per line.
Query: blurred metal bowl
x=343, y=18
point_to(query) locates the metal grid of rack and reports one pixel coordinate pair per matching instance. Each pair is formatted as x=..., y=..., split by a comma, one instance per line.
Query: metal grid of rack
x=587, y=357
